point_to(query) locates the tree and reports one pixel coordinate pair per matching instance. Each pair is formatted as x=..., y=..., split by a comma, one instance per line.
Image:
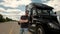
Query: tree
x=8, y=19
x=1, y=18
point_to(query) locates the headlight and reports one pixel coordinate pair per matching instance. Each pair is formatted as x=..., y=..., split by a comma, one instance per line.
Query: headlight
x=53, y=26
x=58, y=18
x=33, y=25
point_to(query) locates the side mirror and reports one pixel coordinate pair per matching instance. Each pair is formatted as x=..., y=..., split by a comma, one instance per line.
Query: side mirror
x=54, y=12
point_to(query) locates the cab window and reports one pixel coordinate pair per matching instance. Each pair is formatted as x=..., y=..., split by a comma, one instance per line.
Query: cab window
x=45, y=12
x=39, y=11
x=34, y=12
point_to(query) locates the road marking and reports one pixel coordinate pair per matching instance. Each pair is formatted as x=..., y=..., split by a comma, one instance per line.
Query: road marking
x=11, y=30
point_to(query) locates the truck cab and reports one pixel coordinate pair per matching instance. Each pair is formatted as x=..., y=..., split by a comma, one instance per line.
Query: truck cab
x=42, y=19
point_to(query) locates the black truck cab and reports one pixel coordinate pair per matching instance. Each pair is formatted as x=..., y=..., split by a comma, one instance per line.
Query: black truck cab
x=42, y=18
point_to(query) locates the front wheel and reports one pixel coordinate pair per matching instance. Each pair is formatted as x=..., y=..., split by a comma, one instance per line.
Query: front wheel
x=40, y=30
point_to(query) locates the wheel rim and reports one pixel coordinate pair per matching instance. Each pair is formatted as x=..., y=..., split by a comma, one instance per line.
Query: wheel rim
x=40, y=31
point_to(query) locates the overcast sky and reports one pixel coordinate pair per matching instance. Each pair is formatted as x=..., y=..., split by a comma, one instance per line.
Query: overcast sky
x=15, y=8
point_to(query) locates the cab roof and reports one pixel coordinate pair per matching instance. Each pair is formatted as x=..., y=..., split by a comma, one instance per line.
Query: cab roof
x=41, y=6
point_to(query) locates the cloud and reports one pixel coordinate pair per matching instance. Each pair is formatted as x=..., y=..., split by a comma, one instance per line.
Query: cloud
x=10, y=3
x=25, y=2
x=2, y=9
x=1, y=6
x=1, y=1
x=15, y=3
x=21, y=7
x=13, y=8
x=14, y=14
x=10, y=11
x=55, y=4
x=39, y=1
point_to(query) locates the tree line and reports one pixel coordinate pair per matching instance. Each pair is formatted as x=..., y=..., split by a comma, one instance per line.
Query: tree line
x=2, y=19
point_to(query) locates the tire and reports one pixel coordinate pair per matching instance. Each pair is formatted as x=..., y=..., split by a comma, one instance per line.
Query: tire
x=40, y=30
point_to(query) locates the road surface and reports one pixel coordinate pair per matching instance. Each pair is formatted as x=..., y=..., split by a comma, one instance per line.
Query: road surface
x=9, y=28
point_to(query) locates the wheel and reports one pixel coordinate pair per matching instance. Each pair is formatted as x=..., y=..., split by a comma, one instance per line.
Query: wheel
x=40, y=30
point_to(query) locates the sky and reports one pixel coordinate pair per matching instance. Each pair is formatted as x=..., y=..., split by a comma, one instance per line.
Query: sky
x=15, y=8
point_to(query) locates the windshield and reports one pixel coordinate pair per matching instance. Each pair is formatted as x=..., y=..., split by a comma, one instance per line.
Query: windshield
x=44, y=11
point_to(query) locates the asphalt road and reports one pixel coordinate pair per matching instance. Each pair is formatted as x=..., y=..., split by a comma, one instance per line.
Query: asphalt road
x=9, y=28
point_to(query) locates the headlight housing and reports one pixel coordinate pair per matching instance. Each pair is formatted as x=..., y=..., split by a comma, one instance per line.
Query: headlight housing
x=33, y=25
x=58, y=18
x=53, y=26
